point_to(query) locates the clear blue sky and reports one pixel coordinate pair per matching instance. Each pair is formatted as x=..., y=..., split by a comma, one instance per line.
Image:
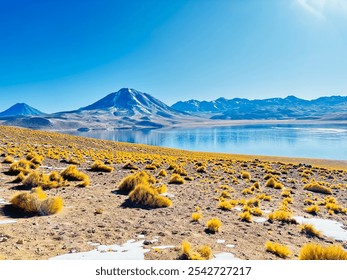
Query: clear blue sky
x=61, y=54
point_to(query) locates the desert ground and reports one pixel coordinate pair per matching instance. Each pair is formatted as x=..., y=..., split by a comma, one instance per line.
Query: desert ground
x=255, y=198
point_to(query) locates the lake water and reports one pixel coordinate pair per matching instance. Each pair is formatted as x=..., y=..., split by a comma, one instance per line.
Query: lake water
x=328, y=141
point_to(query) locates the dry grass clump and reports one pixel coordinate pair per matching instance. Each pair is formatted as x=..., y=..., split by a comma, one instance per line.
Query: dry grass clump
x=147, y=195
x=201, y=169
x=272, y=183
x=279, y=250
x=226, y=204
x=196, y=216
x=162, y=173
x=246, y=216
x=130, y=166
x=36, y=202
x=22, y=165
x=309, y=230
x=72, y=174
x=99, y=166
x=201, y=253
x=245, y=175
x=282, y=216
x=131, y=181
x=35, y=158
x=180, y=171
x=312, y=209
x=8, y=159
x=213, y=225
x=176, y=179
x=313, y=251
x=314, y=186
x=39, y=179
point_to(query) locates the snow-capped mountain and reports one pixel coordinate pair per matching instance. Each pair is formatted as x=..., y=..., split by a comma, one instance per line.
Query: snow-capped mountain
x=130, y=102
x=20, y=109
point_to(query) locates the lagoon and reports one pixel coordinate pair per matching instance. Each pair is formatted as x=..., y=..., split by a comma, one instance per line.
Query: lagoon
x=325, y=141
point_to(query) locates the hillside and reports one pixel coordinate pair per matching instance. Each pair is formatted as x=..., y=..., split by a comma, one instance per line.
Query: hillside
x=257, y=199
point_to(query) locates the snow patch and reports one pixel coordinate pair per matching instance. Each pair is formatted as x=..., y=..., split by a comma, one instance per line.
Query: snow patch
x=130, y=250
x=5, y=222
x=327, y=227
x=224, y=256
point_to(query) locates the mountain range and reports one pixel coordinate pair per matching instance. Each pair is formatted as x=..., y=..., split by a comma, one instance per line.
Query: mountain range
x=291, y=107
x=131, y=109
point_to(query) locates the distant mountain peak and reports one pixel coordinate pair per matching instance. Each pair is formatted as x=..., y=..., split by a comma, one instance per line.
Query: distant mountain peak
x=129, y=101
x=20, y=109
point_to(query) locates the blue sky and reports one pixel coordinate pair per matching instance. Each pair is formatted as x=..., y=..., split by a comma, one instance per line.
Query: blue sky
x=62, y=55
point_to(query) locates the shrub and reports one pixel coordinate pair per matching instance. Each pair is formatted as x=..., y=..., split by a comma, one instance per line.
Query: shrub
x=256, y=211
x=201, y=169
x=225, y=205
x=162, y=173
x=281, y=215
x=213, y=225
x=51, y=206
x=313, y=251
x=99, y=166
x=312, y=209
x=162, y=189
x=272, y=183
x=36, y=202
x=131, y=181
x=246, y=216
x=22, y=165
x=8, y=159
x=316, y=187
x=245, y=175
x=180, y=171
x=196, y=216
x=72, y=174
x=309, y=230
x=279, y=250
x=131, y=166
x=176, y=179
x=202, y=253
x=144, y=194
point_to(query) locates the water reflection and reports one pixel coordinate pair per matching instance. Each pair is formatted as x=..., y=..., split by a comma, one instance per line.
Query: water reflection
x=315, y=141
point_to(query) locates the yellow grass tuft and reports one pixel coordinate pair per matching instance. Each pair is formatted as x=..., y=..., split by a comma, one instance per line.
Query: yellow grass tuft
x=144, y=194
x=72, y=174
x=279, y=250
x=131, y=181
x=312, y=209
x=246, y=216
x=196, y=216
x=162, y=173
x=314, y=186
x=245, y=175
x=213, y=225
x=36, y=202
x=99, y=166
x=313, y=251
x=201, y=253
x=176, y=179
x=309, y=230
x=282, y=216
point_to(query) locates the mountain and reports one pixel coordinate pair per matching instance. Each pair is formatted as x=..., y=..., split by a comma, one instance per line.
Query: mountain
x=125, y=109
x=130, y=102
x=20, y=109
x=290, y=107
